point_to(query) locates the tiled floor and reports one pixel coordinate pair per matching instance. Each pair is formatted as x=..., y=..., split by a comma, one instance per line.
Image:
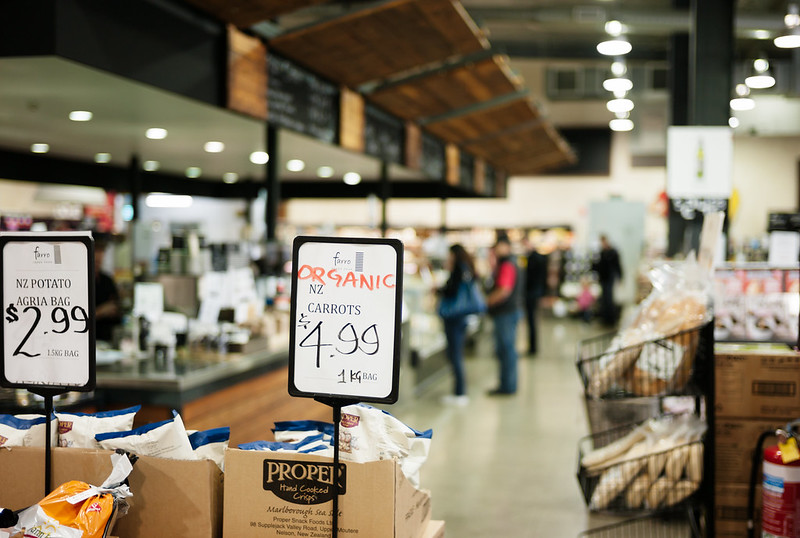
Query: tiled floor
x=505, y=466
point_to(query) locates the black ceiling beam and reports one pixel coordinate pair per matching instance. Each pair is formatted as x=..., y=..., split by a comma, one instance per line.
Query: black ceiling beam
x=400, y=189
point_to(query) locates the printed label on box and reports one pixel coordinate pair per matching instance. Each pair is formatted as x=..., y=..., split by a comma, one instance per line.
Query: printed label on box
x=300, y=482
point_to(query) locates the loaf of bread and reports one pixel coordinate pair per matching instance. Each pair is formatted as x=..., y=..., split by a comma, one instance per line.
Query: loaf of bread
x=680, y=491
x=694, y=464
x=600, y=457
x=658, y=491
x=612, y=482
x=676, y=462
x=637, y=490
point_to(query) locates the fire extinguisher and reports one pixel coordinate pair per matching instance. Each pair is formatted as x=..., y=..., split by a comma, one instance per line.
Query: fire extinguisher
x=780, y=494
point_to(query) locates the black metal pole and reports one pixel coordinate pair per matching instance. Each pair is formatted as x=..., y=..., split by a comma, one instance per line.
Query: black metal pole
x=337, y=419
x=385, y=188
x=273, y=183
x=48, y=448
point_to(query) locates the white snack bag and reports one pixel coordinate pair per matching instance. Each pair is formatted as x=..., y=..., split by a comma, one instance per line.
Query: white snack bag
x=211, y=445
x=37, y=523
x=24, y=430
x=77, y=430
x=369, y=434
x=166, y=439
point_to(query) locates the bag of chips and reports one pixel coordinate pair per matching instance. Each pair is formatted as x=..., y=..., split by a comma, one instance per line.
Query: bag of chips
x=211, y=445
x=77, y=430
x=166, y=439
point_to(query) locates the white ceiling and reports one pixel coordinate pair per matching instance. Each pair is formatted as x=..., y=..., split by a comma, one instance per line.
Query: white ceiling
x=38, y=93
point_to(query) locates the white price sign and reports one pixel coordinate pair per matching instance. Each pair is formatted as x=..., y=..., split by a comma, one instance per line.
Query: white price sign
x=47, y=298
x=345, y=320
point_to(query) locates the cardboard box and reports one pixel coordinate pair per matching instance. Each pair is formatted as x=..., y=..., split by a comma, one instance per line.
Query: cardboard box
x=275, y=494
x=435, y=529
x=757, y=381
x=735, y=442
x=730, y=510
x=170, y=497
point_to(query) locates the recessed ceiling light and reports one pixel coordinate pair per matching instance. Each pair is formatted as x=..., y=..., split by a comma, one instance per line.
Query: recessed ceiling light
x=620, y=105
x=151, y=166
x=618, y=68
x=761, y=34
x=230, y=177
x=80, y=115
x=156, y=133
x=620, y=125
x=613, y=28
x=325, y=172
x=193, y=172
x=214, y=146
x=295, y=165
x=352, y=178
x=40, y=148
x=160, y=199
x=733, y=121
x=102, y=158
x=259, y=157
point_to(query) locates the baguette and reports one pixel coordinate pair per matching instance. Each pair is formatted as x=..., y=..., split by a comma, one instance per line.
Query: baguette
x=598, y=457
x=694, y=465
x=612, y=482
x=676, y=462
x=680, y=491
x=637, y=491
x=658, y=492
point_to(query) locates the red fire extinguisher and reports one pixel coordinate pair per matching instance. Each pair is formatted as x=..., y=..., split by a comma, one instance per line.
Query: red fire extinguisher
x=780, y=497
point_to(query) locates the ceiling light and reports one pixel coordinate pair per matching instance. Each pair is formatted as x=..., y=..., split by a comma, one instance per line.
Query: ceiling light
x=613, y=28
x=761, y=34
x=40, y=148
x=102, y=158
x=295, y=165
x=80, y=115
x=614, y=47
x=325, y=172
x=620, y=105
x=619, y=94
x=617, y=84
x=156, y=133
x=214, y=146
x=230, y=177
x=352, y=178
x=151, y=166
x=733, y=121
x=790, y=39
x=622, y=115
x=259, y=157
x=742, y=90
x=620, y=125
x=761, y=78
x=160, y=199
x=742, y=103
x=618, y=68
x=193, y=172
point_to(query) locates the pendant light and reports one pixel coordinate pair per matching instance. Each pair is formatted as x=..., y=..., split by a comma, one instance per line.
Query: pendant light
x=761, y=76
x=618, y=45
x=790, y=39
x=741, y=100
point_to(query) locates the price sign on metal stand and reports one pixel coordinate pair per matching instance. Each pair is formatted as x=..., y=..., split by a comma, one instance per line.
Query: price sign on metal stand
x=345, y=332
x=47, y=297
x=48, y=336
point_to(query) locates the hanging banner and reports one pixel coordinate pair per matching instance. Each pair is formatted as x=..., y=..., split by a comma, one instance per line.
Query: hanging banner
x=345, y=318
x=47, y=295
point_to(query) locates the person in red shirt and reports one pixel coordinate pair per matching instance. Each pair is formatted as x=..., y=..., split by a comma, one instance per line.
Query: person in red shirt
x=503, y=303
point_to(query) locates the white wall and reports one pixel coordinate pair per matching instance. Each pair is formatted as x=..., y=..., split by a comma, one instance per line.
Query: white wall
x=765, y=176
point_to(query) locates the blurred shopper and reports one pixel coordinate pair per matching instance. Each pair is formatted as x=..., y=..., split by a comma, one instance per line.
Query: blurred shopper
x=462, y=269
x=586, y=299
x=535, y=285
x=503, y=303
x=608, y=271
x=107, y=305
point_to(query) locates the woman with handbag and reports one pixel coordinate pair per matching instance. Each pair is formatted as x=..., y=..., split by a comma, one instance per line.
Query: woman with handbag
x=460, y=297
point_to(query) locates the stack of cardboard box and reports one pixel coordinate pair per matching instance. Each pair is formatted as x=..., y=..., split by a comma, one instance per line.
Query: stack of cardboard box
x=757, y=389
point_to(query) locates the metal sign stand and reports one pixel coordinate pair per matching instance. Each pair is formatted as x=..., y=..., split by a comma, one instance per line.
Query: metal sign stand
x=336, y=404
x=48, y=395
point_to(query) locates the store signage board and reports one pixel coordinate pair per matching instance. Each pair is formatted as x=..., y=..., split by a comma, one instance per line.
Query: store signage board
x=47, y=296
x=699, y=162
x=346, y=304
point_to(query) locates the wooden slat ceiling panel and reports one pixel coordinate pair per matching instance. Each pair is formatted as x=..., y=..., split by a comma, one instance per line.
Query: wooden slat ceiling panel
x=376, y=43
x=245, y=13
x=448, y=90
x=476, y=126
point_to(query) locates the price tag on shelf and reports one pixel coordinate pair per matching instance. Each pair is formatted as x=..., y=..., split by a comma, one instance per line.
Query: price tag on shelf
x=345, y=318
x=47, y=297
